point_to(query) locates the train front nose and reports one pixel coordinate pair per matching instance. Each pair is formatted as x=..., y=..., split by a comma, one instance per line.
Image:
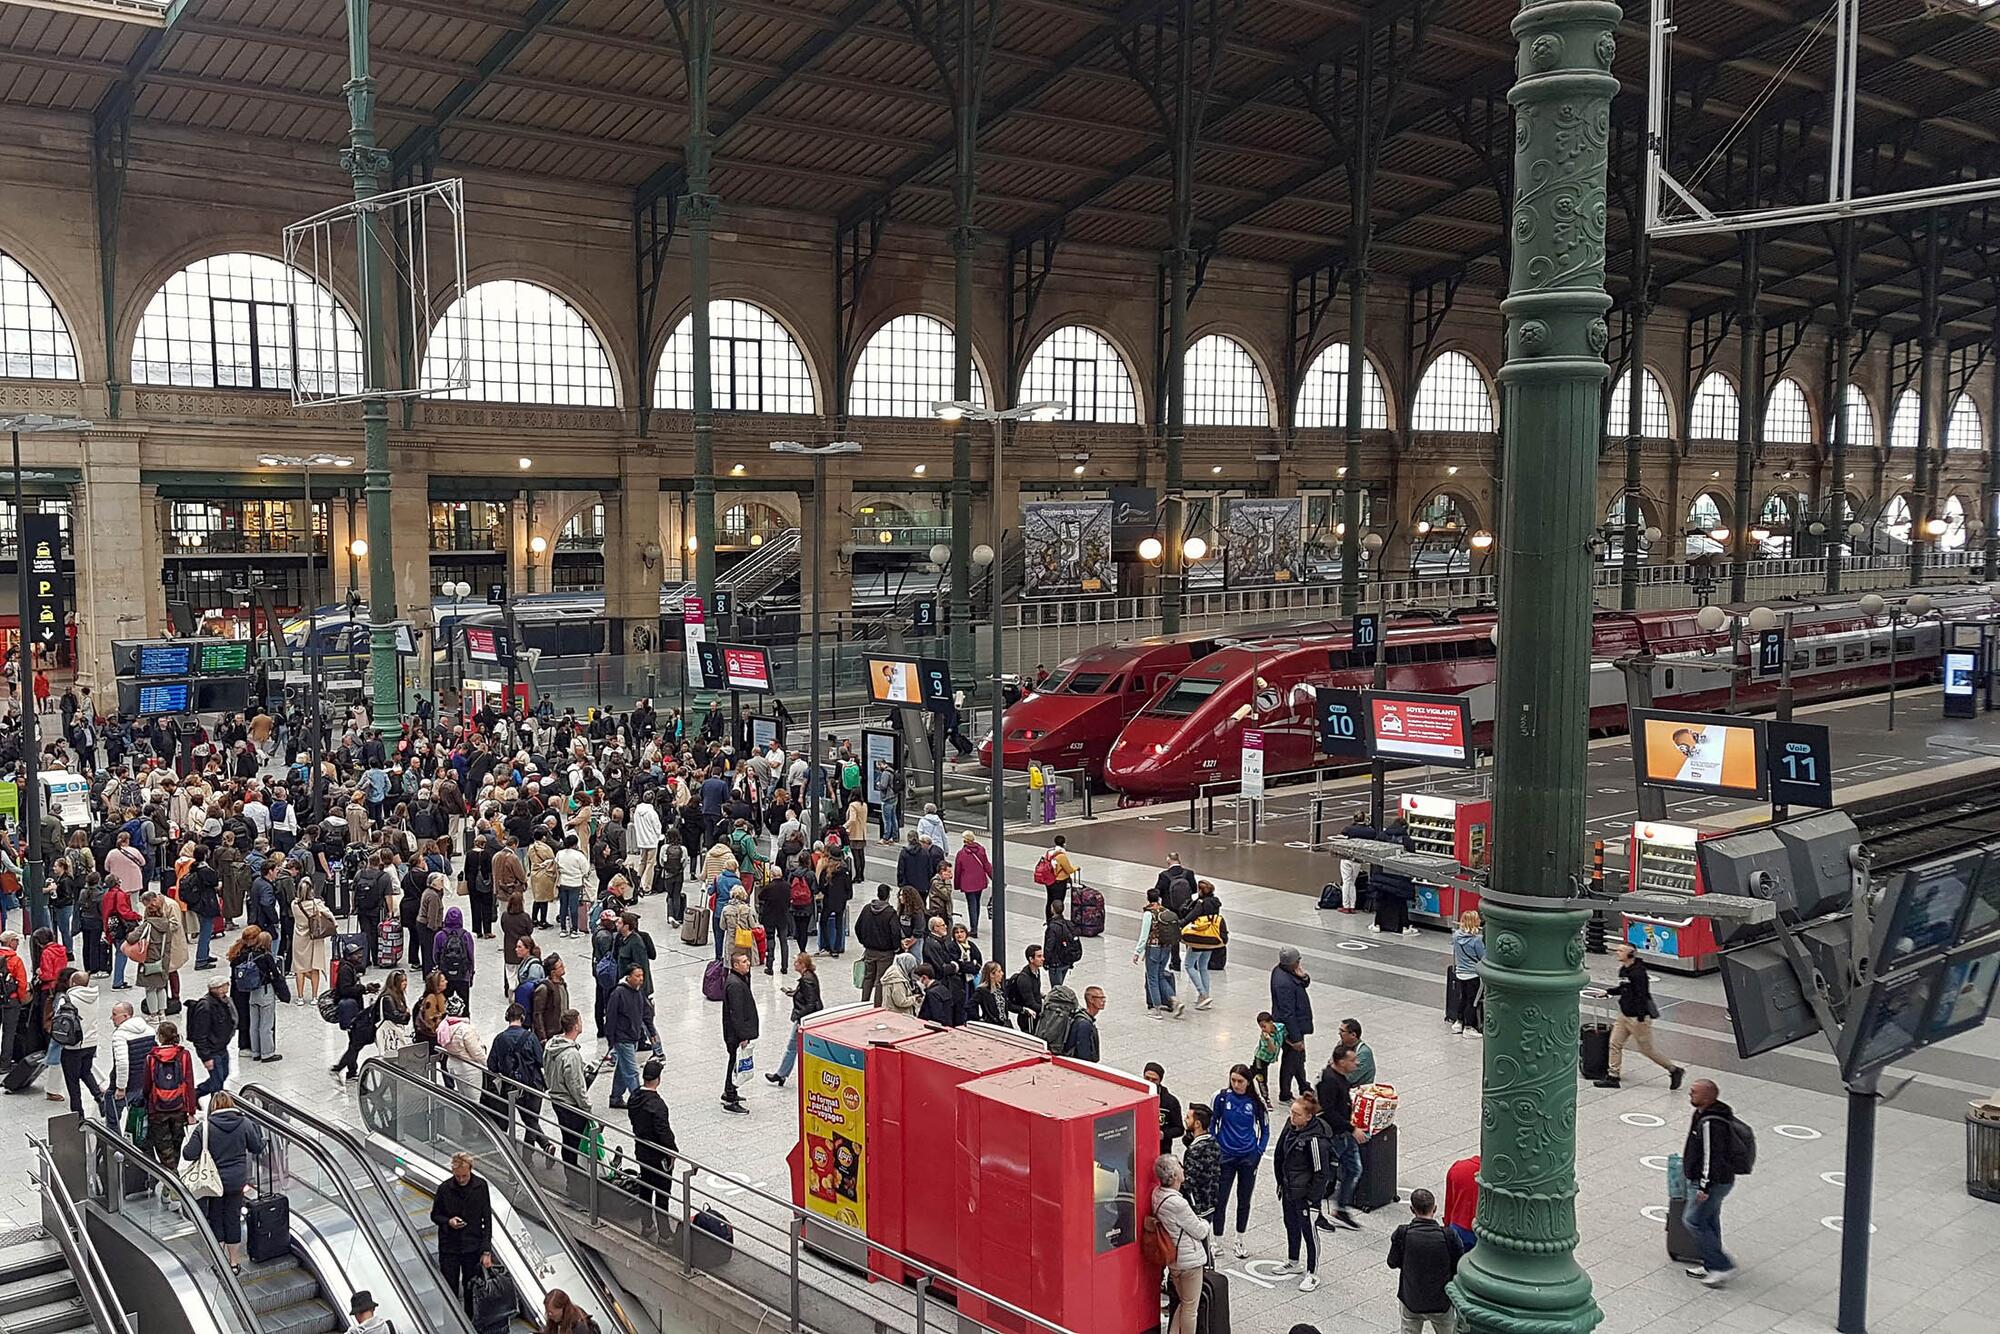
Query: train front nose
x=1138, y=764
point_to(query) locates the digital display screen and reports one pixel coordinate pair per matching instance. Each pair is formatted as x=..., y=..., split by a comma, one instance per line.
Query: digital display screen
x=164, y=697
x=915, y=681
x=746, y=668
x=1700, y=752
x=1924, y=914
x=165, y=660
x=481, y=644
x=229, y=655
x=225, y=696
x=1891, y=1022
x=1430, y=729
x=1342, y=722
x=1964, y=996
x=1961, y=672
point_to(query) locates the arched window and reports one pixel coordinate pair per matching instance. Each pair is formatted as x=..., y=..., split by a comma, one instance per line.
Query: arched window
x=1713, y=414
x=1078, y=368
x=524, y=344
x=1860, y=419
x=1223, y=385
x=34, y=341
x=1787, y=419
x=1654, y=424
x=753, y=364
x=1704, y=520
x=1615, y=519
x=583, y=530
x=1952, y=511
x=1904, y=422
x=1963, y=430
x=246, y=322
x=1323, y=396
x=1896, y=519
x=905, y=368
x=1452, y=396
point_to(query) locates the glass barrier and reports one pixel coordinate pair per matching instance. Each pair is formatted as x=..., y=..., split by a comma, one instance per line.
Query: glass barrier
x=107, y=1313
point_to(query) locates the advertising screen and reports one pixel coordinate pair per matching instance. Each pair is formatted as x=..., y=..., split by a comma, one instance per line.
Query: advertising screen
x=877, y=747
x=1700, y=752
x=1430, y=729
x=1921, y=914
x=482, y=644
x=1961, y=671
x=746, y=669
x=164, y=660
x=223, y=658
x=833, y=1130
x=915, y=681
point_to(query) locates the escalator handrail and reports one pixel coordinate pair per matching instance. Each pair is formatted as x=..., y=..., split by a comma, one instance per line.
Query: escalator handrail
x=107, y=1313
x=265, y=1099
x=274, y=1125
x=190, y=1209
x=528, y=1187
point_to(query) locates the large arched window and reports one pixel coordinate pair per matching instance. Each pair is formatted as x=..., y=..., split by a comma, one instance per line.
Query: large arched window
x=1452, y=396
x=1897, y=518
x=905, y=368
x=1654, y=423
x=1952, y=511
x=34, y=340
x=1787, y=419
x=524, y=344
x=1860, y=418
x=1078, y=368
x=1223, y=385
x=754, y=365
x=1704, y=521
x=1963, y=430
x=1323, y=396
x=1713, y=414
x=246, y=322
x=1906, y=421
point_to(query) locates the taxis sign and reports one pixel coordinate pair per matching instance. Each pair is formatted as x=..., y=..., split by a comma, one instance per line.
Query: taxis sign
x=41, y=538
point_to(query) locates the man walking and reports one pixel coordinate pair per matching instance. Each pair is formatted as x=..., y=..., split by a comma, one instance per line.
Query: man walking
x=1336, y=1107
x=1159, y=931
x=1426, y=1256
x=881, y=937
x=1636, y=1012
x=1291, y=1007
x=1718, y=1148
x=624, y=1029
x=739, y=1025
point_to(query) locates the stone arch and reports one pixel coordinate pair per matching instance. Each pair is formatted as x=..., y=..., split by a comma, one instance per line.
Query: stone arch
x=1471, y=517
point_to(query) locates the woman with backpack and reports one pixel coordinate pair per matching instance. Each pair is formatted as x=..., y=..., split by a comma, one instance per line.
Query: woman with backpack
x=451, y=951
x=73, y=1032
x=353, y=1010
x=313, y=930
x=515, y=927
x=1187, y=1233
x=255, y=976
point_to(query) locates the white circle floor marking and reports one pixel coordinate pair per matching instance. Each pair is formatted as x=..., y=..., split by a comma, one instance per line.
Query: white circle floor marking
x=1797, y=1132
x=1295, y=843
x=1655, y=1212
x=1353, y=945
x=1643, y=1119
x=1834, y=1178
x=1832, y=1223
x=1656, y=1161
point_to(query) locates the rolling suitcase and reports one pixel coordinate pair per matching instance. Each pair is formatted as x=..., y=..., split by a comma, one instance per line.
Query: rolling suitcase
x=22, y=1073
x=1680, y=1243
x=1086, y=911
x=694, y=927
x=389, y=945
x=267, y=1223
x=1378, y=1172
x=1213, y=1317
x=1594, y=1061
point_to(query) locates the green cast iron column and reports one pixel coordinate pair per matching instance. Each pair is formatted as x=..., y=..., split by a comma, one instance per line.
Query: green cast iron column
x=1843, y=356
x=1523, y=1277
x=1358, y=179
x=367, y=164
x=1749, y=416
x=1991, y=562
x=698, y=209
x=1635, y=422
x=964, y=248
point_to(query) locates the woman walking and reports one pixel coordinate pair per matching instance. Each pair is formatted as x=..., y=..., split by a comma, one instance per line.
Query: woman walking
x=1241, y=1131
x=1205, y=932
x=313, y=930
x=971, y=874
x=805, y=1004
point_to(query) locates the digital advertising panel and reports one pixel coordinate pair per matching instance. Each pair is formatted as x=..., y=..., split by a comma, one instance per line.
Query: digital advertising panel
x=747, y=668
x=1427, y=729
x=833, y=1130
x=1700, y=752
x=918, y=682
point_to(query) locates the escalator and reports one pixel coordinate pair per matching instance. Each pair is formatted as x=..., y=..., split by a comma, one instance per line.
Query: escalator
x=52, y=1280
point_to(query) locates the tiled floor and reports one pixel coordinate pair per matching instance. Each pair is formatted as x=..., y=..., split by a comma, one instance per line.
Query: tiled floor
x=1936, y=1251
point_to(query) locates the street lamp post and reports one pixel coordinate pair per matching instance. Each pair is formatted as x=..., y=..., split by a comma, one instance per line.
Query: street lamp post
x=457, y=591
x=816, y=771
x=952, y=411
x=315, y=724
x=31, y=769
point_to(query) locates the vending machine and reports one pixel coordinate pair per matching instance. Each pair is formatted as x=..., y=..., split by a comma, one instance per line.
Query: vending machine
x=1460, y=829
x=1663, y=862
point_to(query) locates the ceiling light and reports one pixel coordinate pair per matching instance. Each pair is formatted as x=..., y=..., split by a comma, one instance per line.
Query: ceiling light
x=918, y=470
x=1217, y=470
x=1452, y=471
x=736, y=470
x=1078, y=470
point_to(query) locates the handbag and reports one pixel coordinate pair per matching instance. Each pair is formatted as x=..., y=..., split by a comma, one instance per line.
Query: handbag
x=135, y=950
x=746, y=1059
x=202, y=1178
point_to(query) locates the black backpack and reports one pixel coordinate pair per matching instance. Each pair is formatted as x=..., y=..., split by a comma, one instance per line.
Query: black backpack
x=454, y=956
x=1739, y=1146
x=1066, y=944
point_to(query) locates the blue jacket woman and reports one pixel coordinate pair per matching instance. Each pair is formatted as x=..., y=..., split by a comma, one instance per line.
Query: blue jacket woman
x=1241, y=1128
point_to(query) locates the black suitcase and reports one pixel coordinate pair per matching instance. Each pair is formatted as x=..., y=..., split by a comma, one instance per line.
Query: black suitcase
x=1378, y=1172
x=1680, y=1243
x=1213, y=1317
x=267, y=1231
x=1595, y=1059
x=22, y=1073
x=1218, y=959
x=345, y=941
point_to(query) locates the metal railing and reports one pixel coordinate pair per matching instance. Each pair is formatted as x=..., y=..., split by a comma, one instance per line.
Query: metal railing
x=410, y=1273
x=86, y=1268
x=108, y=1155
x=776, y=1241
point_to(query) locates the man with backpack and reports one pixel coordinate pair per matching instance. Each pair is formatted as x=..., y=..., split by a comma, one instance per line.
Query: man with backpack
x=211, y=1023
x=164, y=1085
x=1159, y=930
x=13, y=994
x=1024, y=991
x=1719, y=1149
x=881, y=936
x=1062, y=948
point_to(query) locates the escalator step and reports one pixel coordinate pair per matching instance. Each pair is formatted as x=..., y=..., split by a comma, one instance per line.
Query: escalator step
x=312, y=1316
x=277, y=1283
x=33, y=1290
x=47, y=1317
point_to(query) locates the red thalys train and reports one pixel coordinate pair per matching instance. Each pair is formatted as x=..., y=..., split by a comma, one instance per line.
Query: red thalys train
x=1190, y=733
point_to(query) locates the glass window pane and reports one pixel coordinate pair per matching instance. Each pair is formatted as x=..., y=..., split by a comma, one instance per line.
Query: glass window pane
x=1654, y=423
x=1224, y=386
x=1906, y=421
x=1963, y=430
x=35, y=342
x=198, y=331
x=774, y=380
x=1323, y=395
x=1713, y=414
x=905, y=368
x=1787, y=419
x=1078, y=368
x=1860, y=419
x=523, y=344
x=1452, y=396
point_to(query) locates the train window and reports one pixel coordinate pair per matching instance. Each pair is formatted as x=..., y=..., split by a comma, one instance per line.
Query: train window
x=1670, y=678
x=1802, y=659
x=1137, y=684
x=1085, y=683
x=1055, y=681
x=1906, y=644
x=1853, y=652
x=1826, y=657
x=1878, y=649
x=1187, y=695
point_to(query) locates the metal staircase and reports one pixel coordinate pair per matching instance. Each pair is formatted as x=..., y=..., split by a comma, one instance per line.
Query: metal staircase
x=752, y=577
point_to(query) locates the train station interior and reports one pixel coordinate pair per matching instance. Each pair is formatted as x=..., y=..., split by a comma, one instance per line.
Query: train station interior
x=971, y=384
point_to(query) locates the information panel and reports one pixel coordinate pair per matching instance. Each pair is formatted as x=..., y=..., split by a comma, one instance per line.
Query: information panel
x=41, y=538
x=148, y=699
x=913, y=681
x=223, y=657
x=1961, y=682
x=1700, y=752
x=1343, y=723
x=1430, y=729
x=1801, y=759
x=156, y=660
x=1253, y=764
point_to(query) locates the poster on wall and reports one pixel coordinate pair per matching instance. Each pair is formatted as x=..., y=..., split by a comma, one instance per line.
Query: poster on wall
x=1263, y=542
x=833, y=1126
x=1135, y=516
x=1067, y=544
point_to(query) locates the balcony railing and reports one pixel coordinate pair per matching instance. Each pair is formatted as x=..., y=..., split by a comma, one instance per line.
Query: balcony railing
x=447, y=538
x=230, y=542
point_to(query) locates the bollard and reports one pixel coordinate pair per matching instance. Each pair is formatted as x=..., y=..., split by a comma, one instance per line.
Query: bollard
x=1593, y=930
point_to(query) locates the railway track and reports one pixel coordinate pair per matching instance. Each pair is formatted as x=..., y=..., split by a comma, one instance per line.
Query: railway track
x=1903, y=828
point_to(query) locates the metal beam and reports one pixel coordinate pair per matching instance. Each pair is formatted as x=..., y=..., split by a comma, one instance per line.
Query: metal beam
x=117, y=101
x=498, y=57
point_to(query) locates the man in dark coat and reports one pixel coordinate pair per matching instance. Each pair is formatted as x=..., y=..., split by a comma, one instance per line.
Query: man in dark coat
x=462, y=1210
x=654, y=1130
x=1291, y=1007
x=739, y=1024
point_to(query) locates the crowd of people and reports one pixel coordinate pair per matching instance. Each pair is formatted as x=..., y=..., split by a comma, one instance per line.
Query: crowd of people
x=512, y=854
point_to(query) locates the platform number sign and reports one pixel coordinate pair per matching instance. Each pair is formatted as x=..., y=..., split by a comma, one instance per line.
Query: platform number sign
x=496, y=595
x=1770, y=652
x=1367, y=637
x=924, y=616
x=1343, y=727
x=1801, y=761
x=725, y=604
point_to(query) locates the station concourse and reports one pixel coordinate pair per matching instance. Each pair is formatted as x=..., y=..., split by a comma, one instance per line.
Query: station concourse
x=1271, y=435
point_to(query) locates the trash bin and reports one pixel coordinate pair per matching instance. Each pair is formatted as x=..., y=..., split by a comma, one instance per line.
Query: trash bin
x=1982, y=1153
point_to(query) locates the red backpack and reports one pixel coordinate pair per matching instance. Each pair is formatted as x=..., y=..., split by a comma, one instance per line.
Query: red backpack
x=169, y=1082
x=801, y=891
x=1045, y=869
